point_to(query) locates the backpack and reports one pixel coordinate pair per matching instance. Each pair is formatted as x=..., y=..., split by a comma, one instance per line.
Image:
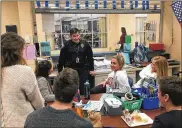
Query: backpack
x=140, y=54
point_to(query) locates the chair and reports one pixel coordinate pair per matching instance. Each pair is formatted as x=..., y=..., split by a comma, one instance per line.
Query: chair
x=130, y=81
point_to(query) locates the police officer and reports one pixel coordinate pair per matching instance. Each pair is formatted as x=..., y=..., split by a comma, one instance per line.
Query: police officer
x=77, y=54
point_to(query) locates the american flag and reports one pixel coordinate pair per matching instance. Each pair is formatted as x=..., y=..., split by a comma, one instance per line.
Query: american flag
x=177, y=9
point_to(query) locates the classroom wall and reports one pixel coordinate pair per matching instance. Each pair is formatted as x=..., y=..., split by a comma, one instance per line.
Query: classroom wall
x=9, y=16
x=127, y=21
x=19, y=14
x=172, y=33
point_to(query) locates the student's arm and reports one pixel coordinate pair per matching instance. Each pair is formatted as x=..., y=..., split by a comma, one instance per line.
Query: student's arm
x=31, y=90
x=110, y=76
x=62, y=57
x=44, y=89
x=145, y=71
x=157, y=123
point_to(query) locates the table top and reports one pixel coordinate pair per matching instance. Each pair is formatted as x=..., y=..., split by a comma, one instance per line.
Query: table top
x=116, y=121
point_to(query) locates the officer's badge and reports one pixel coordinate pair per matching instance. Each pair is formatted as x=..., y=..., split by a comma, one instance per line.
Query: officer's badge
x=82, y=45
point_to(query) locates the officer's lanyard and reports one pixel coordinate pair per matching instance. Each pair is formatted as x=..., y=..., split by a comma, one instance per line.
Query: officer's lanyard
x=77, y=50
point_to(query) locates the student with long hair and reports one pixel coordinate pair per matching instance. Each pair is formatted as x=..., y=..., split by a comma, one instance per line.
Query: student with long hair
x=158, y=68
x=42, y=71
x=20, y=94
x=118, y=75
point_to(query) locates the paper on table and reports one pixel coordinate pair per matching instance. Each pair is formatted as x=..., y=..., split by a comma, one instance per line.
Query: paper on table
x=93, y=105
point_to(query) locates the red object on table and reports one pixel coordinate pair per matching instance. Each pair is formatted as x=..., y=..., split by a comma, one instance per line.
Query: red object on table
x=156, y=46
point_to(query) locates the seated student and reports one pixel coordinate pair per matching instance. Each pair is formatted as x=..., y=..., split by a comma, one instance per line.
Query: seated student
x=170, y=94
x=118, y=75
x=42, y=71
x=158, y=68
x=60, y=114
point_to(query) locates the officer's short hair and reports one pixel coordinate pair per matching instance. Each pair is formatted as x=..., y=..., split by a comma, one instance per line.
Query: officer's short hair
x=74, y=31
x=66, y=85
x=171, y=85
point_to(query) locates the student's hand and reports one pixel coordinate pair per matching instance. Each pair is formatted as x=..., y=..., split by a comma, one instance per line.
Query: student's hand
x=103, y=83
x=92, y=73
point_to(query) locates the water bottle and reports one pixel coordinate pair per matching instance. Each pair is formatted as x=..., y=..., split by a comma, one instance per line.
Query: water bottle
x=108, y=89
x=78, y=95
x=87, y=90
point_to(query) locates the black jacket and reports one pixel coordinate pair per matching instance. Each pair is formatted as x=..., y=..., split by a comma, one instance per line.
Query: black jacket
x=71, y=51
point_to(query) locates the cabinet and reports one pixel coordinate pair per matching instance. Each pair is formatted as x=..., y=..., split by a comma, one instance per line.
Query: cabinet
x=100, y=78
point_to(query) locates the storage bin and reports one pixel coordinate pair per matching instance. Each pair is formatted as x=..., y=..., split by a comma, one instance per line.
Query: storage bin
x=150, y=103
x=132, y=105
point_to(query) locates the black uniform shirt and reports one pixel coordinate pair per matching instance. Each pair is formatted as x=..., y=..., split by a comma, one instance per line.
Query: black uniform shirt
x=76, y=55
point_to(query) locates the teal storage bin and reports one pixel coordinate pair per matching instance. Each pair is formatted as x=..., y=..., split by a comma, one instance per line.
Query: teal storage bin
x=45, y=48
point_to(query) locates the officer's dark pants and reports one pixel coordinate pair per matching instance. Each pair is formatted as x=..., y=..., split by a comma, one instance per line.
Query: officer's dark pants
x=83, y=75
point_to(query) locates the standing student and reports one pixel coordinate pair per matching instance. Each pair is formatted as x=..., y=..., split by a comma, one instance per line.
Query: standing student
x=118, y=75
x=77, y=54
x=169, y=94
x=42, y=71
x=20, y=94
x=122, y=37
x=60, y=113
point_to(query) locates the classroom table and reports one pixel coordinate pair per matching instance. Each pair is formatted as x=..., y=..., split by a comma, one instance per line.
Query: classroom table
x=116, y=121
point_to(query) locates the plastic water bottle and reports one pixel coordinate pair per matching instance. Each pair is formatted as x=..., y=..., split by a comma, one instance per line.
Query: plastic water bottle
x=108, y=89
x=87, y=90
x=78, y=95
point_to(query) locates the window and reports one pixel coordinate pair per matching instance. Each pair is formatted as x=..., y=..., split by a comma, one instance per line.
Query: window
x=92, y=28
x=140, y=28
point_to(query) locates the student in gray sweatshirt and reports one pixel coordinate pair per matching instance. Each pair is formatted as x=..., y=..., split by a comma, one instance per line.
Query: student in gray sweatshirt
x=42, y=71
x=60, y=114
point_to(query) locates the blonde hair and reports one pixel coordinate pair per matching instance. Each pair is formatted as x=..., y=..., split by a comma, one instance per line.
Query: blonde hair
x=120, y=60
x=161, y=66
